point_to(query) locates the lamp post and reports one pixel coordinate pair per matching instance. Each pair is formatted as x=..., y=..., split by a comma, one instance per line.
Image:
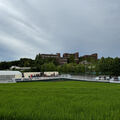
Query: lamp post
x=85, y=63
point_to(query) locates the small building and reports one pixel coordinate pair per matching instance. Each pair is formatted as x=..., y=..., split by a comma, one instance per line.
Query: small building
x=51, y=74
x=85, y=62
x=27, y=75
x=9, y=76
x=32, y=74
x=19, y=68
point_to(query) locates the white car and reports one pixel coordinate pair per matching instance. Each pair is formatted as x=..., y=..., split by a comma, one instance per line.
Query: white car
x=115, y=79
x=102, y=78
x=97, y=78
x=107, y=78
x=119, y=78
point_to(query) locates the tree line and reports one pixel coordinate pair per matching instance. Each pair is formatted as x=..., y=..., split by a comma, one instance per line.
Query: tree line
x=103, y=66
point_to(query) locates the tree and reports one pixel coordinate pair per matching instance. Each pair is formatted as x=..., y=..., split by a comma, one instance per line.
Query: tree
x=116, y=67
x=71, y=59
x=109, y=66
x=5, y=65
x=48, y=67
x=39, y=60
x=26, y=62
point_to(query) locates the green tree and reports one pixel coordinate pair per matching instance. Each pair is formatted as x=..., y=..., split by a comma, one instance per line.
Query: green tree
x=39, y=60
x=71, y=59
x=116, y=67
x=48, y=67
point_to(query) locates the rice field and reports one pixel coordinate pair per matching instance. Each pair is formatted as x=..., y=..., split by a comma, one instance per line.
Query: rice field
x=63, y=100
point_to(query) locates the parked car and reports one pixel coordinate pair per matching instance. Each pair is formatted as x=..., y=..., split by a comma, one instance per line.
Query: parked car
x=108, y=78
x=97, y=78
x=115, y=78
x=102, y=78
x=119, y=78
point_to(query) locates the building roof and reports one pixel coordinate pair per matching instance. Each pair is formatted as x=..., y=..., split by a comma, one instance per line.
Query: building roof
x=9, y=72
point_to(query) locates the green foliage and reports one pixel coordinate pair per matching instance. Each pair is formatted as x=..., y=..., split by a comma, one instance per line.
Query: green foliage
x=7, y=65
x=4, y=65
x=104, y=66
x=71, y=59
x=68, y=100
x=48, y=67
x=109, y=66
x=39, y=60
x=72, y=68
x=88, y=59
x=116, y=67
x=25, y=62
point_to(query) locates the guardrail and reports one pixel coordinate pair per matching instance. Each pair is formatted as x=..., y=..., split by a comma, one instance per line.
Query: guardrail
x=65, y=77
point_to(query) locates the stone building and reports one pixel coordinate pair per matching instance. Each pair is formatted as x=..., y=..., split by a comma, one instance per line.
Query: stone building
x=63, y=61
x=57, y=55
x=75, y=55
x=92, y=56
x=66, y=56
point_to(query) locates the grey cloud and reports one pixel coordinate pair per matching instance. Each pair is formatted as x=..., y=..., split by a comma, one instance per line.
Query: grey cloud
x=51, y=26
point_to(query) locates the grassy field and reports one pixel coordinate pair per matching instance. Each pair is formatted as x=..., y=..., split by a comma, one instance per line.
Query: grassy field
x=65, y=100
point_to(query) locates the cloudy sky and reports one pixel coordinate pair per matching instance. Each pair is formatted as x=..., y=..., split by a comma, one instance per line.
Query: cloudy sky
x=29, y=27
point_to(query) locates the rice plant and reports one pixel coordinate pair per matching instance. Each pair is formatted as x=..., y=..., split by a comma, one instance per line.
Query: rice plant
x=66, y=100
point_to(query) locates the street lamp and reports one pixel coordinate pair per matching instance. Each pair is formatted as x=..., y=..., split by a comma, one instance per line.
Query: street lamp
x=85, y=63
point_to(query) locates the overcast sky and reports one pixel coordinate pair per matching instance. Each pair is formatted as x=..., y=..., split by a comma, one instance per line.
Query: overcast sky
x=29, y=27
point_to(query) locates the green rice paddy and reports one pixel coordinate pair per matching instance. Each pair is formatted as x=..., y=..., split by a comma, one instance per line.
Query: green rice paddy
x=63, y=100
